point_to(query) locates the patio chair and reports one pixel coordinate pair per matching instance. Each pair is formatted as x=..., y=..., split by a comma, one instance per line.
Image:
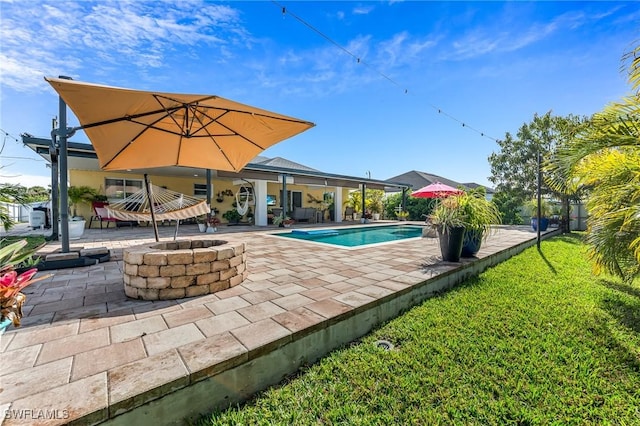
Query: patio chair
x=348, y=212
x=102, y=215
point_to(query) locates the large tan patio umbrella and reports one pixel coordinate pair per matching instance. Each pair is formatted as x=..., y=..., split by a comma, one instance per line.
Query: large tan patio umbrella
x=133, y=129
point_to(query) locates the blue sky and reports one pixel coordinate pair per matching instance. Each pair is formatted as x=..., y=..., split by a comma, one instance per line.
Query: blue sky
x=490, y=65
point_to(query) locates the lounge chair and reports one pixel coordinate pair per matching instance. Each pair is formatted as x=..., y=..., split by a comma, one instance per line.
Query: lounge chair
x=102, y=215
x=348, y=212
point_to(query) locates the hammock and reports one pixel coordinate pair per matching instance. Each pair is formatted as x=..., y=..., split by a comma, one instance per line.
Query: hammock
x=167, y=205
x=243, y=209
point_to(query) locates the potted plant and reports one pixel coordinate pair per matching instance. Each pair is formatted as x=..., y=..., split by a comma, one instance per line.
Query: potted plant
x=202, y=223
x=232, y=216
x=80, y=194
x=545, y=209
x=355, y=202
x=374, y=201
x=481, y=214
x=287, y=222
x=449, y=217
x=366, y=217
x=221, y=194
x=402, y=215
x=283, y=221
x=212, y=224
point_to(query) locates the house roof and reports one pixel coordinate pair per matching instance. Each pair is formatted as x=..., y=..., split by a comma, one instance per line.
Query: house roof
x=82, y=156
x=281, y=163
x=419, y=179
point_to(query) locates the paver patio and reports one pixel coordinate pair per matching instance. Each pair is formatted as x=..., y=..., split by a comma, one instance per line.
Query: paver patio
x=87, y=353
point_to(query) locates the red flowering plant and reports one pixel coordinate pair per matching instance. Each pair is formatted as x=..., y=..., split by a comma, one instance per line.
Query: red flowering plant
x=11, y=283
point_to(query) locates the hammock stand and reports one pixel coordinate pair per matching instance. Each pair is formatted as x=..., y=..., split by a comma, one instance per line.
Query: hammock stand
x=153, y=203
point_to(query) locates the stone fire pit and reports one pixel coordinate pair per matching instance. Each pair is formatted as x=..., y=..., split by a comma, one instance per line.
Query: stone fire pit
x=177, y=269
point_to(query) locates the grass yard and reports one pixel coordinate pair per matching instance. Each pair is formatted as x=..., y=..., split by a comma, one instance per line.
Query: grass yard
x=33, y=242
x=535, y=340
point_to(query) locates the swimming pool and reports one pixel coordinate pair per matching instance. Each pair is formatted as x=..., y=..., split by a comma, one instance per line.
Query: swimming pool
x=355, y=237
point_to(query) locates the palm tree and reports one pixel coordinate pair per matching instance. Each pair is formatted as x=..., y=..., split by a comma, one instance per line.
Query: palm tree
x=604, y=158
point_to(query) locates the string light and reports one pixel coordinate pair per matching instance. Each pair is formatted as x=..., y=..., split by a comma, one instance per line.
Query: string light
x=386, y=77
x=9, y=136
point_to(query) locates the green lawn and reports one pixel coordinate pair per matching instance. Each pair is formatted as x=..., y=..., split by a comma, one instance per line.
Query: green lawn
x=33, y=242
x=535, y=340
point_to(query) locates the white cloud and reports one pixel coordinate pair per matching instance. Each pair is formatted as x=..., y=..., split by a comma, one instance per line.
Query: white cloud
x=39, y=37
x=362, y=10
x=481, y=41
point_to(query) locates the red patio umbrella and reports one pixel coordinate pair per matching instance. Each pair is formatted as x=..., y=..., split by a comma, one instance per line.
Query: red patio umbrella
x=436, y=190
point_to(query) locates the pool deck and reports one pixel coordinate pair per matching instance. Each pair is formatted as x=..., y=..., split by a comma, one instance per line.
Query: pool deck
x=87, y=354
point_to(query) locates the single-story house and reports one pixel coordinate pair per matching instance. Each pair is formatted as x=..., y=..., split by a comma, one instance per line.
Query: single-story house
x=267, y=178
x=418, y=180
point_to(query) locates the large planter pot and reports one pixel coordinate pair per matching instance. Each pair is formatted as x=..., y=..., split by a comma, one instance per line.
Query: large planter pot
x=471, y=243
x=451, y=243
x=76, y=229
x=544, y=223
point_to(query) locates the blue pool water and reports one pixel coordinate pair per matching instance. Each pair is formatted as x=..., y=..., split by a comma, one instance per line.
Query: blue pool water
x=354, y=237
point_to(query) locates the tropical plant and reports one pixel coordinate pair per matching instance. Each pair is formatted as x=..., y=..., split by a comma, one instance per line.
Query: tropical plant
x=450, y=213
x=10, y=193
x=480, y=212
x=604, y=157
x=100, y=198
x=281, y=220
x=80, y=194
x=417, y=208
x=531, y=207
x=514, y=169
x=11, y=283
x=402, y=215
x=232, y=216
x=373, y=200
x=354, y=200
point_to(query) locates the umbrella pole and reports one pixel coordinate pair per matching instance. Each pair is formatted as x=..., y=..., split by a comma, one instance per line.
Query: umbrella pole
x=151, y=207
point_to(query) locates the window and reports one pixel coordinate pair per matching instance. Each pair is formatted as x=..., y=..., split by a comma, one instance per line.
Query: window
x=119, y=189
x=200, y=189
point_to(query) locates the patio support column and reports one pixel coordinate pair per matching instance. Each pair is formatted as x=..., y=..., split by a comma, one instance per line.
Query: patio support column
x=364, y=191
x=209, y=191
x=337, y=204
x=404, y=199
x=260, y=196
x=285, y=200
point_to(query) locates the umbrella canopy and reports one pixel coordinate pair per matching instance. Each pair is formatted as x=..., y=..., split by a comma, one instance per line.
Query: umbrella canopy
x=436, y=190
x=132, y=129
